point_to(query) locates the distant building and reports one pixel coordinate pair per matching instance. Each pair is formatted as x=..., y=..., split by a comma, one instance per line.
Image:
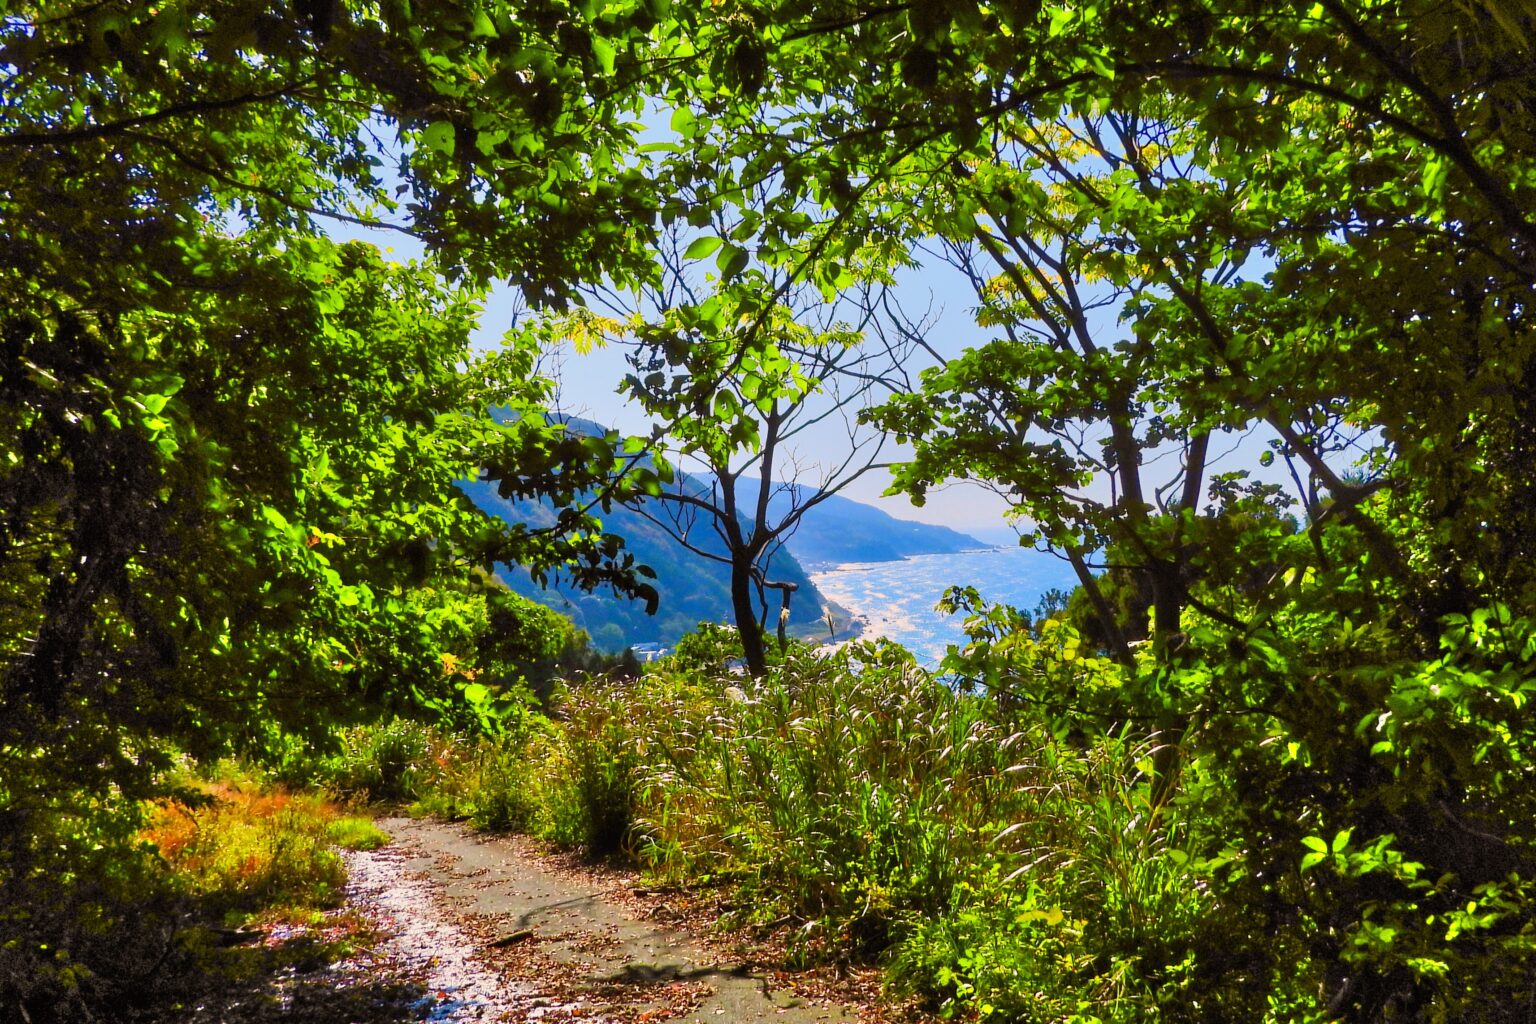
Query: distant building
x=647, y=652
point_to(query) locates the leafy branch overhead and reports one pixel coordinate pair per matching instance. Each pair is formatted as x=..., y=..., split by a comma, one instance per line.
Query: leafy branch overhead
x=231, y=502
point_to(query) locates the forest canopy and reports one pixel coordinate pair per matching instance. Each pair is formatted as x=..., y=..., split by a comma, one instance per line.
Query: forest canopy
x=231, y=444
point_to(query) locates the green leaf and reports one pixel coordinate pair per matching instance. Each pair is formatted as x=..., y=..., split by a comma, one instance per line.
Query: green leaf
x=702, y=247
x=604, y=52
x=731, y=261
x=683, y=122
x=438, y=137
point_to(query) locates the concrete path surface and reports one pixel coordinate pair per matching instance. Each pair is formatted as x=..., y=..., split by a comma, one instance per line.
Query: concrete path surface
x=568, y=949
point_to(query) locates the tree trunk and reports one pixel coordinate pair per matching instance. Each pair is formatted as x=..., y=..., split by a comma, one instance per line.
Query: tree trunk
x=786, y=591
x=1170, y=644
x=746, y=621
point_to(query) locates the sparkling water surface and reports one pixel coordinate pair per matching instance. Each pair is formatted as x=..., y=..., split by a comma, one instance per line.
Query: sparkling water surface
x=898, y=598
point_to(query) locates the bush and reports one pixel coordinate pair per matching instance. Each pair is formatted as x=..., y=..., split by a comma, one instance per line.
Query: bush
x=501, y=795
x=1081, y=907
x=85, y=907
x=245, y=848
x=389, y=762
x=573, y=784
x=826, y=786
x=600, y=796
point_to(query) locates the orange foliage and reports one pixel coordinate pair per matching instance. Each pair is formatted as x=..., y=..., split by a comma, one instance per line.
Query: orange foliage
x=249, y=844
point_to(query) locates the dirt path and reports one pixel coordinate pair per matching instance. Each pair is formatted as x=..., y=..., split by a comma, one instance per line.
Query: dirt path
x=500, y=936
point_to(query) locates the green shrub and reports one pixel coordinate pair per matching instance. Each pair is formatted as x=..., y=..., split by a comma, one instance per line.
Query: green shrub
x=573, y=783
x=512, y=781
x=1080, y=910
x=356, y=834
x=707, y=652
x=84, y=904
x=390, y=762
x=502, y=795
x=602, y=747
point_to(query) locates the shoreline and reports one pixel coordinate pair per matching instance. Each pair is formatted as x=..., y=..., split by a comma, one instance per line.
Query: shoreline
x=896, y=599
x=847, y=624
x=815, y=569
x=852, y=623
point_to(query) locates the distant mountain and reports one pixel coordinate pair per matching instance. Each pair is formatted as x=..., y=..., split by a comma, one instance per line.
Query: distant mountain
x=692, y=589
x=840, y=530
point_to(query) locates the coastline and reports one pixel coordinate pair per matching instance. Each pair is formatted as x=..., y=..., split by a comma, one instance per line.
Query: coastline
x=847, y=624
x=853, y=622
x=896, y=599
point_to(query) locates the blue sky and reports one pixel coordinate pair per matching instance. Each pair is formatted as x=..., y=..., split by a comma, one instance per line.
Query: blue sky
x=588, y=385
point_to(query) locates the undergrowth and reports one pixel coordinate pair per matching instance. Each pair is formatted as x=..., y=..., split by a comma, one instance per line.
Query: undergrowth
x=124, y=910
x=241, y=846
x=996, y=870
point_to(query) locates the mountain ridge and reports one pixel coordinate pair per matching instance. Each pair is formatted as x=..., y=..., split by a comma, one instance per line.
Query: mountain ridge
x=693, y=588
x=845, y=530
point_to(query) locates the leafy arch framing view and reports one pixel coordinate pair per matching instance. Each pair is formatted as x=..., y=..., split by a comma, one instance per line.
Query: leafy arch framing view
x=230, y=455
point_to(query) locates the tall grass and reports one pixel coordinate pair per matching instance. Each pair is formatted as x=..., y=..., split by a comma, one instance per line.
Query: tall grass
x=571, y=782
x=998, y=871
x=842, y=790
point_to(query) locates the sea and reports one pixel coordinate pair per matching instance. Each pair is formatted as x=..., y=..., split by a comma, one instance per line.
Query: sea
x=897, y=600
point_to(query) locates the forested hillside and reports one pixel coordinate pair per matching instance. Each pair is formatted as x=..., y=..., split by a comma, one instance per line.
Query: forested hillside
x=691, y=588
x=1244, y=335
